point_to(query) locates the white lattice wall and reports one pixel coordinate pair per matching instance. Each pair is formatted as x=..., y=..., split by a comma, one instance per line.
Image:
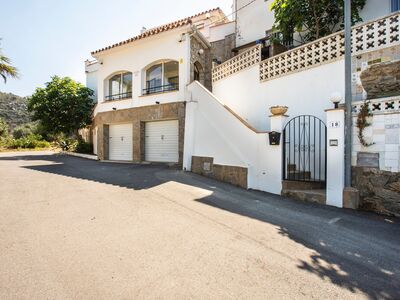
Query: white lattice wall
x=238, y=63
x=367, y=37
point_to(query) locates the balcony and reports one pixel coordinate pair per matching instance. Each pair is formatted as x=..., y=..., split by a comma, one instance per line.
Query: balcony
x=121, y=96
x=160, y=89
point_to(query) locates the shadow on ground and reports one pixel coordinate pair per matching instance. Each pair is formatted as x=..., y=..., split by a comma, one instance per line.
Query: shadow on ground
x=354, y=250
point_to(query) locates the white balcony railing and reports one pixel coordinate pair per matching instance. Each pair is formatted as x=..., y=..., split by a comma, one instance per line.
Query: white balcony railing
x=367, y=37
x=238, y=63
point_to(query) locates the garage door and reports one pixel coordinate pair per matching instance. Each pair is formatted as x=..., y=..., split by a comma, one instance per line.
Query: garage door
x=162, y=141
x=120, y=146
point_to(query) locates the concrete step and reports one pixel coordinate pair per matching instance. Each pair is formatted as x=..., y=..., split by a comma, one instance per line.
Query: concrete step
x=315, y=196
x=302, y=185
x=298, y=175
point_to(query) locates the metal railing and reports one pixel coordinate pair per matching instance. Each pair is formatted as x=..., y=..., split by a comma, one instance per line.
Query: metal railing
x=120, y=96
x=161, y=89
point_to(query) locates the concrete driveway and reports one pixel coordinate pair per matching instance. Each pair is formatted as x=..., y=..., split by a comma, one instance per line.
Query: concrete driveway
x=72, y=228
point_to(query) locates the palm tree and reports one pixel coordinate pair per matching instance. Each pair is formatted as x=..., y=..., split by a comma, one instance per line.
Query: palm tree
x=6, y=69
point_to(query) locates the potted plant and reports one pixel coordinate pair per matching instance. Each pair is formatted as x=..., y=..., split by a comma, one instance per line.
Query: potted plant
x=278, y=110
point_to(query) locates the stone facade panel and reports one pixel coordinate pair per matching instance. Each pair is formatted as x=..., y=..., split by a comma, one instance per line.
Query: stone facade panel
x=138, y=117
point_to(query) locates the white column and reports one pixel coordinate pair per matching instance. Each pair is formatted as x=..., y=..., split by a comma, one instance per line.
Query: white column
x=277, y=123
x=190, y=121
x=335, y=157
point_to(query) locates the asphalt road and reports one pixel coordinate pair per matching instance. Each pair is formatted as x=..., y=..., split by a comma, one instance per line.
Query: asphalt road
x=72, y=228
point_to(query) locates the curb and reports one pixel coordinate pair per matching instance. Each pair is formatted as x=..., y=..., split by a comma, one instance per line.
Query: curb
x=87, y=156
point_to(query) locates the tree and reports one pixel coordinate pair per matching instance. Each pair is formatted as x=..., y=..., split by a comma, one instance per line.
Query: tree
x=3, y=128
x=6, y=69
x=63, y=106
x=312, y=19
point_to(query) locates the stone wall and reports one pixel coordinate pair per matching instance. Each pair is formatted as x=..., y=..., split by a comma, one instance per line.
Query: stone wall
x=138, y=116
x=204, y=60
x=234, y=175
x=382, y=80
x=379, y=190
x=362, y=63
x=222, y=50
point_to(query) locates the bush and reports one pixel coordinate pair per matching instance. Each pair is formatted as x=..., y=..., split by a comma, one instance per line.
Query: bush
x=3, y=128
x=83, y=147
x=31, y=141
x=67, y=144
x=25, y=130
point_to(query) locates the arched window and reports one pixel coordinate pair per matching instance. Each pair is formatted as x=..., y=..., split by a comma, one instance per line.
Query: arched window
x=162, y=77
x=119, y=86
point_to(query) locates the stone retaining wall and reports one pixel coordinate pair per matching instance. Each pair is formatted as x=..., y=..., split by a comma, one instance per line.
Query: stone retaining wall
x=205, y=166
x=379, y=190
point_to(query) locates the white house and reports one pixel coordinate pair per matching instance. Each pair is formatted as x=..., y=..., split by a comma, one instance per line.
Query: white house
x=196, y=105
x=140, y=86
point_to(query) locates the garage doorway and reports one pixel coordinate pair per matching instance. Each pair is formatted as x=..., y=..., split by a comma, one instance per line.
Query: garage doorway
x=120, y=142
x=162, y=141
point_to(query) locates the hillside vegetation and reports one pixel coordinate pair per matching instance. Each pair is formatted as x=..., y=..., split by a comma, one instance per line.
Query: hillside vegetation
x=13, y=109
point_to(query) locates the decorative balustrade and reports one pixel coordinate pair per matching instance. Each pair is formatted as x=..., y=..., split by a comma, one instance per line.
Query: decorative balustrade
x=367, y=37
x=380, y=106
x=238, y=63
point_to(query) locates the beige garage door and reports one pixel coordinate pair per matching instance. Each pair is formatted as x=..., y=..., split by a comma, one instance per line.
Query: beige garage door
x=162, y=141
x=120, y=146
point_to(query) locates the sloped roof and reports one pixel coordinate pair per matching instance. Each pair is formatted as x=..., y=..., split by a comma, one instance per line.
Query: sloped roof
x=157, y=30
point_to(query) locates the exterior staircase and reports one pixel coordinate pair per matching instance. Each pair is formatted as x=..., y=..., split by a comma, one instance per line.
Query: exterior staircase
x=300, y=187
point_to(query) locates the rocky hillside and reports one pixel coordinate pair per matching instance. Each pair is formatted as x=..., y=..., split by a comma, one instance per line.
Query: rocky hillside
x=13, y=109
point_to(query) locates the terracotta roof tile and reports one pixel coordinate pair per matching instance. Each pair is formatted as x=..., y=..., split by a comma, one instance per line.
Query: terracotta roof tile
x=156, y=30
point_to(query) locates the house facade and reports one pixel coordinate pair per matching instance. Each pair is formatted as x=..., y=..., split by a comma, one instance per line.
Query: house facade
x=141, y=91
x=205, y=103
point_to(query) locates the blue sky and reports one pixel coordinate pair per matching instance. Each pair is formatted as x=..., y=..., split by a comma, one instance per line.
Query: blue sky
x=55, y=37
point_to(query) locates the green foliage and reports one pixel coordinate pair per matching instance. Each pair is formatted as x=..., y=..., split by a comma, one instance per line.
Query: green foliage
x=32, y=141
x=6, y=68
x=3, y=128
x=25, y=130
x=63, y=106
x=14, y=110
x=312, y=19
x=362, y=123
x=83, y=147
x=67, y=144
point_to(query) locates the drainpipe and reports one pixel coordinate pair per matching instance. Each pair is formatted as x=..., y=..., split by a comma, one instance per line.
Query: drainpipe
x=348, y=94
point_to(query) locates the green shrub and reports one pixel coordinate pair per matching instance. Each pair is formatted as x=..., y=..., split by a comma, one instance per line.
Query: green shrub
x=67, y=144
x=83, y=147
x=31, y=141
x=25, y=130
x=3, y=128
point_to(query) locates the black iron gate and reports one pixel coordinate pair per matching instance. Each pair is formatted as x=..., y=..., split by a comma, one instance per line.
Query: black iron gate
x=304, y=149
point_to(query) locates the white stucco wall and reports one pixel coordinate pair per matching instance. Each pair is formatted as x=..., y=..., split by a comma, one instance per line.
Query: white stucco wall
x=135, y=57
x=306, y=92
x=219, y=32
x=91, y=77
x=253, y=20
x=212, y=131
x=375, y=8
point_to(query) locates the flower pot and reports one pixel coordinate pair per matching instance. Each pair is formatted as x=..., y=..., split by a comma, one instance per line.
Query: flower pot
x=278, y=110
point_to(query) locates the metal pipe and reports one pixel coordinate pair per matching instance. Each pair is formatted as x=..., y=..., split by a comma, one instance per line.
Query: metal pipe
x=348, y=94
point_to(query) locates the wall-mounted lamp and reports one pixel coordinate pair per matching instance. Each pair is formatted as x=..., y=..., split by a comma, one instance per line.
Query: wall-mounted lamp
x=157, y=102
x=114, y=108
x=336, y=98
